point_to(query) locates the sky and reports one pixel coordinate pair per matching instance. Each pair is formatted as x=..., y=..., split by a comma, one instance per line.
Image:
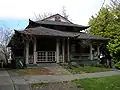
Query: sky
x=14, y=14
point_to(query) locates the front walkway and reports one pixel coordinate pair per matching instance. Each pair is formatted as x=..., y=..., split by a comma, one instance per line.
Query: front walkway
x=18, y=81
x=53, y=78
x=5, y=81
x=12, y=81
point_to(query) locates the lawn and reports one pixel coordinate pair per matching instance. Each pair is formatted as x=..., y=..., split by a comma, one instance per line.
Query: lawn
x=103, y=83
x=65, y=85
x=77, y=69
x=34, y=71
x=71, y=68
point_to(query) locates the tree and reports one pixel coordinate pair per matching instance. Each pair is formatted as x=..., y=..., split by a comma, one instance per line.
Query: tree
x=42, y=16
x=63, y=12
x=4, y=39
x=107, y=24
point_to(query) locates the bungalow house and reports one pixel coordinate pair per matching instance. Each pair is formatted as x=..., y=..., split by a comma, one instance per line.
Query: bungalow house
x=55, y=39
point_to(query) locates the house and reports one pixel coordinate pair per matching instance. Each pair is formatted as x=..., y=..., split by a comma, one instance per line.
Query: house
x=55, y=39
x=2, y=59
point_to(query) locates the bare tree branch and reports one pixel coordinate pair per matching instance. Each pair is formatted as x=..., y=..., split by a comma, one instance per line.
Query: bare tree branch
x=4, y=39
x=64, y=12
x=42, y=16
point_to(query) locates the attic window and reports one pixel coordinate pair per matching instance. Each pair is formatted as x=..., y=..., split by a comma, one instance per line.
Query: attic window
x=57, y=18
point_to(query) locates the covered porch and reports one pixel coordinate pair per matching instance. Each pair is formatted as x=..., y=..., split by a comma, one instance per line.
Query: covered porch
x=60, y=50
x=46, y=50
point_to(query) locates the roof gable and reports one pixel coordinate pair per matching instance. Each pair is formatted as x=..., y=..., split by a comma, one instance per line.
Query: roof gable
x=57, y=17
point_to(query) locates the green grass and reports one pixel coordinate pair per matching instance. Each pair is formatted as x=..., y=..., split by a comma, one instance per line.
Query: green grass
x=85, y=69
x=104, y=83
x=64, y=85
x=46, y=83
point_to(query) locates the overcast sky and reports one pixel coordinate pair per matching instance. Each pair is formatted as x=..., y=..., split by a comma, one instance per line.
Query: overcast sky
x=14, y=14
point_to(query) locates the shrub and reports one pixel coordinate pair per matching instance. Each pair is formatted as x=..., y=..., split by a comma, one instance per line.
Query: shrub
x=117, y=65
x=114, y=60
x=82, y=65
x=101, y=65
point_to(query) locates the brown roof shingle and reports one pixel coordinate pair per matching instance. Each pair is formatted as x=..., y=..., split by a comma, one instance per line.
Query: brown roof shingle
x=42, y=31
x=50, y=22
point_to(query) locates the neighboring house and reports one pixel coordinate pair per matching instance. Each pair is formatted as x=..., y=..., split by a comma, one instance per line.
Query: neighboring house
x=56, y=39
x=2, y=59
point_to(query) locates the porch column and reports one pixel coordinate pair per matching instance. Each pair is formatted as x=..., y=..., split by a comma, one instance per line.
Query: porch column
x=57, y=50
x=98, y=51
x=91, y=55
x=27, y=52
x=34, y=51
x=68, y=50
x=63, y=50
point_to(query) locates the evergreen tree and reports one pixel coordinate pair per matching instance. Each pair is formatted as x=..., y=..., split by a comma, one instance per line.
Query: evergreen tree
x=107, y=24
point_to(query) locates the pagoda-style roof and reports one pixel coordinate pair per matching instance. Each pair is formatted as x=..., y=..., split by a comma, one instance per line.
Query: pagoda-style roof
x=56, y=20
x=42, y=31
x=50, y=22
x=42, y=28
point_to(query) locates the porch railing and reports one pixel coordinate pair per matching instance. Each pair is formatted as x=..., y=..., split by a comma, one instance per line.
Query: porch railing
x=46, y=56
x=82, y=56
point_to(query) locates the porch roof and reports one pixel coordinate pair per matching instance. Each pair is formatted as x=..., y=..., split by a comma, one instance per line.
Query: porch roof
x=42, y=31
x=84, y=35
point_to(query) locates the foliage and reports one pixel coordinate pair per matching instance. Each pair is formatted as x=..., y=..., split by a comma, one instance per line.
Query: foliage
x=117, y=65
x=107, y=24
x=103, y=83
x=100, y=65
